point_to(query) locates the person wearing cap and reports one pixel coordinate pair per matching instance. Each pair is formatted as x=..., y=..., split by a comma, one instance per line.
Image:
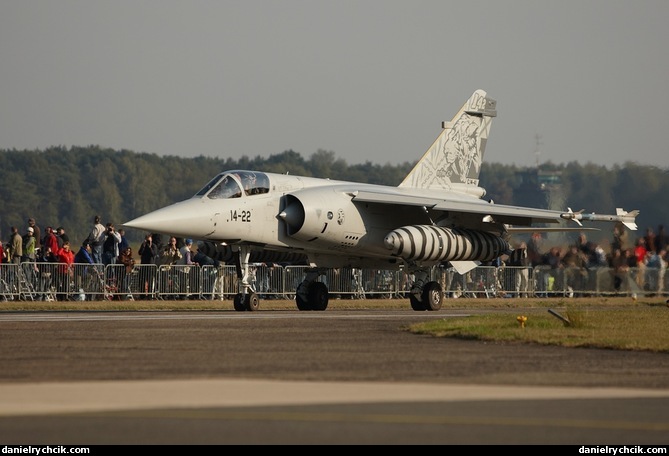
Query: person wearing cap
x=29, y=246
x=37, y=234
x=30, y=254
x=61, y=236
x=50, y=244
x=186, y=254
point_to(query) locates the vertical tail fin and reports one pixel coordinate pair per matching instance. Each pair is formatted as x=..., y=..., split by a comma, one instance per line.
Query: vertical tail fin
x=455, y=157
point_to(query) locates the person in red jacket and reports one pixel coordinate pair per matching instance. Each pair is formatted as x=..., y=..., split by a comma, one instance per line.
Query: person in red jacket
x=50, y=245
x=65, y=258
x=640, y=251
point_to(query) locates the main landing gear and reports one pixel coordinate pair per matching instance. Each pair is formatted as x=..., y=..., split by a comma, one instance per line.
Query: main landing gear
x=311, y=294
x=314, y=295
x=425, y=295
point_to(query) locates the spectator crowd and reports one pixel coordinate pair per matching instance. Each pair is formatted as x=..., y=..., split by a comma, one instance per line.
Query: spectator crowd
x=107, y=245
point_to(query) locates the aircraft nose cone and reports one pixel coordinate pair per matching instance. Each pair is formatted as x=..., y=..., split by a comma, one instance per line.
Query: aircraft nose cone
x=187, y=219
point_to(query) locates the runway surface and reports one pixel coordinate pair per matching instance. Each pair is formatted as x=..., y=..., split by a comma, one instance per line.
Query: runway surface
x=334, y=377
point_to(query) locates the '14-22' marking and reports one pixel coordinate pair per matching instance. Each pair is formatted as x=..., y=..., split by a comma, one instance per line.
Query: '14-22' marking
x=241, y=216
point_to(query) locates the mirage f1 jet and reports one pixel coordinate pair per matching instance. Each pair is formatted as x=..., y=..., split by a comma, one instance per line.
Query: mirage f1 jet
x=437, y=214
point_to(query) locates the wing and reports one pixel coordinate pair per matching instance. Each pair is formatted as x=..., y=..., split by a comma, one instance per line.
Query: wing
x=474, y=211
x=510, y=215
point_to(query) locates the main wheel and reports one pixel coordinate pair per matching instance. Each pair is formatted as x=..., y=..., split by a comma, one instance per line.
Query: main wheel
x=318, y=296
x=302, y=304
x=432, y=296
x=238, y=302
x=415, y=303
x=252, y=302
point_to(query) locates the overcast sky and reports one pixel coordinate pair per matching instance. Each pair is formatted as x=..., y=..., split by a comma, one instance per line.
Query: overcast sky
x=369, y=80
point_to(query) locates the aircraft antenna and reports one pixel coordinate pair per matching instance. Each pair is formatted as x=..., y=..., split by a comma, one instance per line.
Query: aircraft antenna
x=537, y=148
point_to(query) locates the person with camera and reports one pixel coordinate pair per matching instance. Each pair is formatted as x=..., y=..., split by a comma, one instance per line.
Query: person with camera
x=149, y=254
x=148, y=251
x=110, y=245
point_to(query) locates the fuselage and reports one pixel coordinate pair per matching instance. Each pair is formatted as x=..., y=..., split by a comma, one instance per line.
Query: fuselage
x=319, y=217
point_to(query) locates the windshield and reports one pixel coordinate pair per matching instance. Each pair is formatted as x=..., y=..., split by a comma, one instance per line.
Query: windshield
x=230, y=184
x=226, y=188
x=209, y=185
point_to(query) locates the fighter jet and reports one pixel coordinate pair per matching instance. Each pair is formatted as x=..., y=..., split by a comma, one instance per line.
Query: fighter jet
x=437, y=214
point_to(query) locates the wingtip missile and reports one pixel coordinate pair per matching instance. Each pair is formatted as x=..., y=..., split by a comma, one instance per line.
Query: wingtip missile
x=626, y=218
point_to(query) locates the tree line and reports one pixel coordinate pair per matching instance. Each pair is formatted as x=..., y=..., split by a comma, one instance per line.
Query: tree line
x=66, y=187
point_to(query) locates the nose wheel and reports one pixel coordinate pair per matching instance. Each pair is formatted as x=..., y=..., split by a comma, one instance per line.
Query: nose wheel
x=246, y=301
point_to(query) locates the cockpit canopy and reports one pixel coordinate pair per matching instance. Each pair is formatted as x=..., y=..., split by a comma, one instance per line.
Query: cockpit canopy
x=231, y=184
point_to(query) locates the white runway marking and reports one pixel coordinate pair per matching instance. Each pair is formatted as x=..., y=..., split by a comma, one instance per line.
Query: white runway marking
x=100, y=396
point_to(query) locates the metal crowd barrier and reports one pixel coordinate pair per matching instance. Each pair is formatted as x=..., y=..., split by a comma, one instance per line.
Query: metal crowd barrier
x=53, y=281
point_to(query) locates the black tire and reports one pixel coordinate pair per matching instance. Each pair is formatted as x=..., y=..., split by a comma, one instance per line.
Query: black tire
x=318, y=296
x=301, y=303
x=415, y=303
x=252, y=302
x=238, y=303
x=433, y=297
